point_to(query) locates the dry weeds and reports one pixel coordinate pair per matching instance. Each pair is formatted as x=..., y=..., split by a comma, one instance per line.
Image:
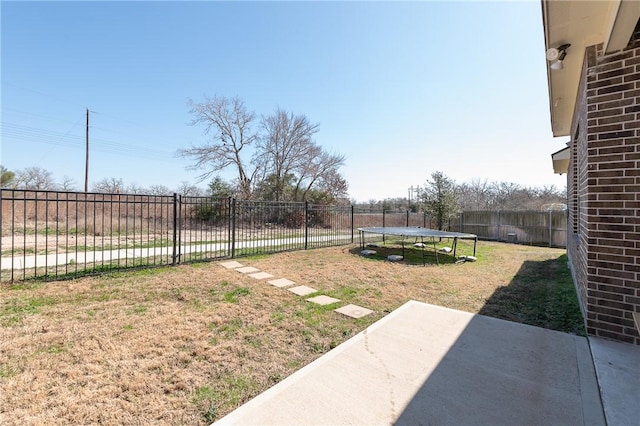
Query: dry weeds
x=187, y=345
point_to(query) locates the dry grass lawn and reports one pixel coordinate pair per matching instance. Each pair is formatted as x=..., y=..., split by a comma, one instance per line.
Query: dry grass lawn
x=188, y=344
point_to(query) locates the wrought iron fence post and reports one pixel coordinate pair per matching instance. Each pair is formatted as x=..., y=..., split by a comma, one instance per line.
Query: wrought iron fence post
x=229, y=201
x=550, y=228
x=407, y=218
x=306, y=224
x=383, y=220
x=175, y=229
x=352, y=223
x=233, y=228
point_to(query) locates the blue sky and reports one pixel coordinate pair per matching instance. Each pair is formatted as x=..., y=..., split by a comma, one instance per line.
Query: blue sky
x=401, y=89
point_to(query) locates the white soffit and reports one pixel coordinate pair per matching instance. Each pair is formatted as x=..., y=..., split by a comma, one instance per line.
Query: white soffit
x=561, y=160
x=622, y=25
x=582, y=23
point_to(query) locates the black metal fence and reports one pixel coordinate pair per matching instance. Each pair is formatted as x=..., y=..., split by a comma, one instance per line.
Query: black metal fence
x=55, y=235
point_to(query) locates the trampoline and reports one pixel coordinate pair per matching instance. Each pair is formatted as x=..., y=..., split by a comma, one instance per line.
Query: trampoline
x=421, y=233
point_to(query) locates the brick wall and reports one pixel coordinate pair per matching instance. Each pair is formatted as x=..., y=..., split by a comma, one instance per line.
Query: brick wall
x=605, y=253
x=576, y=190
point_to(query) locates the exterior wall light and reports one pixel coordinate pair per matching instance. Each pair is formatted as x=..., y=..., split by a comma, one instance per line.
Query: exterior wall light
x=557, y=55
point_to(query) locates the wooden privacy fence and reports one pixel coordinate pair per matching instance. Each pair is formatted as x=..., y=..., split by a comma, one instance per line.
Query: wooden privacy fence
x=527, y=227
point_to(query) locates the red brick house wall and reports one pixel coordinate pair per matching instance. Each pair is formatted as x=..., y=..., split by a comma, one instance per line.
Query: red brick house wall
x=604, y=192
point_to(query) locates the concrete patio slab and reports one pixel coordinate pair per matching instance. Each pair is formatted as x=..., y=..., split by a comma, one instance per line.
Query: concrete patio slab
x=302, y=290
x=261, y=275
x=323, y=300
x=424, y=364
x=232, y=264
x=354, y=311
x=618, y=369
x=281, y=282
x=247, y=270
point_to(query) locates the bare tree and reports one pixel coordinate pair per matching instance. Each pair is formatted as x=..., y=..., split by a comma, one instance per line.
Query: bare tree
x=318, y=165
x=109, y=186
x=35, y=178
x=189, y=190
x=159, y=190
x=475, y=195
x=284, y=148
x=68, y=184
x=229, y=124
x=134, y=188
x=334, y=185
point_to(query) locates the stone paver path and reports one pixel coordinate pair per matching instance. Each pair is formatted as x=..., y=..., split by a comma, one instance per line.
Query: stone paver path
x=261, y=275
x=350, y=310
x=281, y=282
x=231, y=264
x=354, y=311
x=323, y=300
x=248, y=270
x=302, y=290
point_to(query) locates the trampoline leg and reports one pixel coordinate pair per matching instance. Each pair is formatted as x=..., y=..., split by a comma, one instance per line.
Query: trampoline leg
x=435, y=249
x=475, y=241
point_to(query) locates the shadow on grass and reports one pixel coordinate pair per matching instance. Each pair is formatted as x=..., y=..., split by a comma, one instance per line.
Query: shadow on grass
x=540, y=294
x=411, y=255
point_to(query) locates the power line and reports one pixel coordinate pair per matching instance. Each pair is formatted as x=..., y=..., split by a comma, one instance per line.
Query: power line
x=38, y=135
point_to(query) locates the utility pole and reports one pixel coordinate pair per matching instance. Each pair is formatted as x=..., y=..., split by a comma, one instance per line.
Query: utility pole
x=86, y=164
x=412, y=190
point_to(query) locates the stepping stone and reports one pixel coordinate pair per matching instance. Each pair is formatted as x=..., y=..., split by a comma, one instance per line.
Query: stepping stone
x=446, y=249
x=368, y=252
x=394, y=258
x=302, y=290
x=354, y=311
x=248, y=270
x=373, y=245
x=281, y=282
x=323, y=300
x=232, y=264
x=261, y=275
x=419, y=245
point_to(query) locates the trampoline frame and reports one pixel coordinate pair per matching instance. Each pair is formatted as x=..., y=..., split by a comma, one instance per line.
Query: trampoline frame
x=418, y=232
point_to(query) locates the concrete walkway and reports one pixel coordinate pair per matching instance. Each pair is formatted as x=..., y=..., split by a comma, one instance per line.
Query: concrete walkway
x=618, y=370
x=81, y=257
x=424, y=364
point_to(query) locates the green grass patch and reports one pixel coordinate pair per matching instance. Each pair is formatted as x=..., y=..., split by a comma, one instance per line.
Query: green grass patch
x=229, y=328
x=541, y=294
x=138, y=310
x=231, y=390
x=14, y=310
x=234, y=295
